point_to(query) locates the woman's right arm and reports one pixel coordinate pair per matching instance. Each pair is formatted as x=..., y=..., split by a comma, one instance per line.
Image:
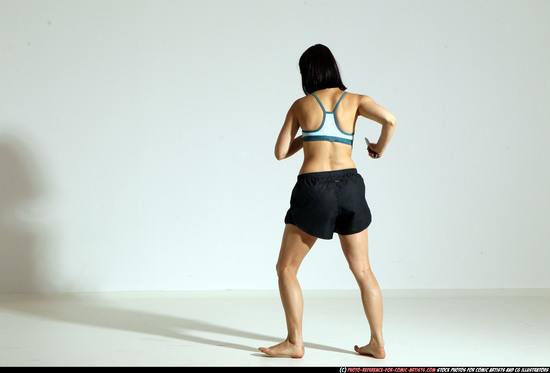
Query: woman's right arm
x=371, y=110
x=287, y=144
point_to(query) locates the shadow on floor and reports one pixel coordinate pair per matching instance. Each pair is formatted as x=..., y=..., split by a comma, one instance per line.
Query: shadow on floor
x=83, y=311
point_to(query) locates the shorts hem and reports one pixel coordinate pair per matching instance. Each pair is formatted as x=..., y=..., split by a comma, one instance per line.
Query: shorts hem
x=353, y=232
x=306, y=231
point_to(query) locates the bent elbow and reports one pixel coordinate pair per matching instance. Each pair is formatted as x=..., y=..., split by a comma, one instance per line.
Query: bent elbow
x=391, y=121
x=279, y=156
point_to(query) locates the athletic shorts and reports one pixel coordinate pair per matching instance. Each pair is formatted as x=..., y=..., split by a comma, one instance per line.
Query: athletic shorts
x=326, y=202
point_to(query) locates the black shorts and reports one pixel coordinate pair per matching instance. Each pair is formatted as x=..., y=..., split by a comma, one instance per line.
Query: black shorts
x=326, y=202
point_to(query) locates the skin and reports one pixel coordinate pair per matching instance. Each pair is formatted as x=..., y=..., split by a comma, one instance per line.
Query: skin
x=305, y=113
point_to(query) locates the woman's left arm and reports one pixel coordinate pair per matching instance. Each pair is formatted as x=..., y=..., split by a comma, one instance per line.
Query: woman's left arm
x=286, y=144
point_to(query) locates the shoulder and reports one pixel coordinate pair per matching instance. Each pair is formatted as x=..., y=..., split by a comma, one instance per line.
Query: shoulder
x=301, y=104
x=357, y=97
x=363, y=101
x=303, y=101
x=353, y=101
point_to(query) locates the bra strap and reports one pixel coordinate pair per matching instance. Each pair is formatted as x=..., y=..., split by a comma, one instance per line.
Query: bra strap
x=338, y=103
x=319, y=101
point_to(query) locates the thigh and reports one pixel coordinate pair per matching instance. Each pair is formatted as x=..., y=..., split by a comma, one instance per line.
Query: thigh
x=354, y=212
x=356, y=249
x=294, y=247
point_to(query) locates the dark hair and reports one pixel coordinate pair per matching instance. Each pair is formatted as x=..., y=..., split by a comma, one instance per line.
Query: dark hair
x=319, y=70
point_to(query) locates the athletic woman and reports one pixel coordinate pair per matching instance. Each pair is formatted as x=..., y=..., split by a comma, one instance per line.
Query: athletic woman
x=329, y=195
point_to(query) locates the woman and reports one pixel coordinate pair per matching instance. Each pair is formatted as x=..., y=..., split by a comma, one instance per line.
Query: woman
x=329, y=195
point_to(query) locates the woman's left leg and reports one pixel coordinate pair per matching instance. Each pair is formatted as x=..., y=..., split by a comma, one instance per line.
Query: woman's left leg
x=356, y=251
x=294, y=247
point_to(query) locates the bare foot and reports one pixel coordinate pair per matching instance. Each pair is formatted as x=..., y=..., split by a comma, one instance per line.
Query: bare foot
x=284, y=349
x=372, y=350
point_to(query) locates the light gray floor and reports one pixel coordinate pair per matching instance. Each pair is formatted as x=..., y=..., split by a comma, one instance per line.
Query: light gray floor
x=421, y=328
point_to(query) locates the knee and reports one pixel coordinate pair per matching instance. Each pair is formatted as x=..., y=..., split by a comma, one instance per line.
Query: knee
x=285, y=270
x=360, y=271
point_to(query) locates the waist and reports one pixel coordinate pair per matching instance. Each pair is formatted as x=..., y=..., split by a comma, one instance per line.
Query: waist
x=328, y=175
x=320, y=156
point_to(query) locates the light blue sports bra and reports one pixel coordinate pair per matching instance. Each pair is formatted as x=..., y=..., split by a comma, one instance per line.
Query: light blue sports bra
x=329, y=129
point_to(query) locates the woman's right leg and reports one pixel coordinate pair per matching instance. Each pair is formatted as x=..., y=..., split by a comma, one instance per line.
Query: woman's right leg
x=294, y=247
x=356, y=251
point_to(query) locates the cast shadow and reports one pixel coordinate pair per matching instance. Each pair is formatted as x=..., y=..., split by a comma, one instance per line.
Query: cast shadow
x=82, y=311
x=24, y=268
x=23, y=240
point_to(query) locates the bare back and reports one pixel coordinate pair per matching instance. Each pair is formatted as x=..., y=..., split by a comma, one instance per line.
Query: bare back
x=327, y=155
x=307, y=114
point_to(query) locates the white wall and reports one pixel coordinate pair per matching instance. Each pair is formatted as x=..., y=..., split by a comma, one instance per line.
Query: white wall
x=136, y=141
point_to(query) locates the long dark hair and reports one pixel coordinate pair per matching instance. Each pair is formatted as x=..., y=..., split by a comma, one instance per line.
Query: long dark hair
x=319, y=70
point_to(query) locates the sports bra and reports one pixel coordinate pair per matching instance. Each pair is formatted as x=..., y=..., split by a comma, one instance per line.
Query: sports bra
x=329, y=129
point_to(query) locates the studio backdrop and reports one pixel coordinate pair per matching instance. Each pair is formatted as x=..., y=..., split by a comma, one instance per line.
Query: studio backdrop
x=137, y=142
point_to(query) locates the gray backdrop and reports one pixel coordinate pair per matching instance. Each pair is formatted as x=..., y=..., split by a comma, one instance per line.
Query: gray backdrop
x=136, y=141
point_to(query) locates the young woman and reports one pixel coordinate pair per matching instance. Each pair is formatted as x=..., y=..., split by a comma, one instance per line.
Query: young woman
x=329, y=195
